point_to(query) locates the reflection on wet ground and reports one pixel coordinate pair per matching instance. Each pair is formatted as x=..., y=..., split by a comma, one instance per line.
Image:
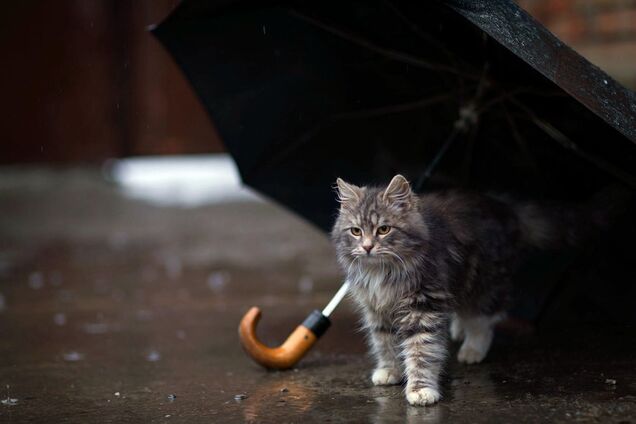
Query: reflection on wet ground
x=112, y=310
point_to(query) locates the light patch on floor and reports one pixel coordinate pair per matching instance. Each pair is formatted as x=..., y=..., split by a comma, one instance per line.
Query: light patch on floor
x=185, y=181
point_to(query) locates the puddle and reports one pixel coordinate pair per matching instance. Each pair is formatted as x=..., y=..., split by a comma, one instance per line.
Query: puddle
x=9, y=401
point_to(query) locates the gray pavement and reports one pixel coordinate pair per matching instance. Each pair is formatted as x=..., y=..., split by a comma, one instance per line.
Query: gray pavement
x=109, y=305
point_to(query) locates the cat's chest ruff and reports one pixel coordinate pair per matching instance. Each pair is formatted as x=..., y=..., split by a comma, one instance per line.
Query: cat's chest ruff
x=373, y=289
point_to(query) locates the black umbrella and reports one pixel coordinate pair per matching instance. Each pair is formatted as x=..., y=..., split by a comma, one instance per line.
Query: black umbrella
x=465, y=93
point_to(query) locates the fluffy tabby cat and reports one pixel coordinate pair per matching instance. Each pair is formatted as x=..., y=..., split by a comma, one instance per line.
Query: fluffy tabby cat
x=418, y=264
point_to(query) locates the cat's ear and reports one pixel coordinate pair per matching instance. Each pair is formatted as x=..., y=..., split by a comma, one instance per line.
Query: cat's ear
x=347, y=193
x=398, y=192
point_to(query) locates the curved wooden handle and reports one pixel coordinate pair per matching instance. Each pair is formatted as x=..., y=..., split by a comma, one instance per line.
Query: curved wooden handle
x=282, y=357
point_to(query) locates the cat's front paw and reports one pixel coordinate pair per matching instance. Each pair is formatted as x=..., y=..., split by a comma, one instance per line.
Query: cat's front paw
x=470, y=355
x=386, y=377
x=422, y=397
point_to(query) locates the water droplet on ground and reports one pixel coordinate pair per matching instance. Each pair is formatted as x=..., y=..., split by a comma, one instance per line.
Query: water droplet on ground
x=59, y=319
x=144, y=315
x=36, y=280
x=95, y=327
x=153, y=356
x=73, y=356
x=306, y=284
x=218, y=280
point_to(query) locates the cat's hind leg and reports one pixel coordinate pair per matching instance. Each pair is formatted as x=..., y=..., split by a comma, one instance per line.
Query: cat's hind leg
x=478, y=335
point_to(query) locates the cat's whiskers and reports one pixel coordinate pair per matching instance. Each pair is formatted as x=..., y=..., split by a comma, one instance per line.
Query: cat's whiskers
x=382, y=263
x=405, y=269
x=355, y=259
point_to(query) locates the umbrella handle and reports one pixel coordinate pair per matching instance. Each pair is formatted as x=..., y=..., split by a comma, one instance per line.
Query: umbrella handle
x=292, y=350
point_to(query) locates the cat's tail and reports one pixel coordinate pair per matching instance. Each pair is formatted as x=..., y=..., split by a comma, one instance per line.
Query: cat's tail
x=557, y=225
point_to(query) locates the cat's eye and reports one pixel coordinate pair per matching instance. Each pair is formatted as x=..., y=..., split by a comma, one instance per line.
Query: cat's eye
x=383, y=230
x=356, y=231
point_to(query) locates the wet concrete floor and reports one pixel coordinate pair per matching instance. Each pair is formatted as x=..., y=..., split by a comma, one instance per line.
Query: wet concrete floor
x=113, y=310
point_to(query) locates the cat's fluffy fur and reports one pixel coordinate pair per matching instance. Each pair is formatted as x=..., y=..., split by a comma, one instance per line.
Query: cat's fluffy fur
x=446, y=260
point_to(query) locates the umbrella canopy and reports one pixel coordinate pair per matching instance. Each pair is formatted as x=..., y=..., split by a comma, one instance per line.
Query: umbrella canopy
x=459, y=92
x=304, y=92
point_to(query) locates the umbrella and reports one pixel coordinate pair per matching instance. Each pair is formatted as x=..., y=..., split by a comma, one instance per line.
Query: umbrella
x=469, y=93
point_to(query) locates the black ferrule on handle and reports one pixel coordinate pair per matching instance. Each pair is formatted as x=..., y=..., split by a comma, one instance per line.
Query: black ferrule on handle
x=317, y=323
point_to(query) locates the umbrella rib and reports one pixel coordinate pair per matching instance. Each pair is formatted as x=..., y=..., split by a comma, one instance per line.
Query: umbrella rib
x=521, y=143
x=460, y=125
x=360, y=114
x=418, y=31
x=390, y=53
x=567, y=143
x=511, y=94
x=438, y=156
x=387, y=110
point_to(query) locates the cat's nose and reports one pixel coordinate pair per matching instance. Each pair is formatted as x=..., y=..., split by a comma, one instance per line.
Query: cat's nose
x=367, y=247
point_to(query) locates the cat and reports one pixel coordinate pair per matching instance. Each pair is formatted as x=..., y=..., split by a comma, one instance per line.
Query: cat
x=422, y=267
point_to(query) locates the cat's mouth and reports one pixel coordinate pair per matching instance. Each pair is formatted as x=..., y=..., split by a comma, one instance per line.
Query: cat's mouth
x=379, y=258
x=372, y=257
x=371, y=254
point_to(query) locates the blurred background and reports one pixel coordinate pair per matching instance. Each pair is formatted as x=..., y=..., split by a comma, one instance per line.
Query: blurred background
x=129, y=249
x=85, y=81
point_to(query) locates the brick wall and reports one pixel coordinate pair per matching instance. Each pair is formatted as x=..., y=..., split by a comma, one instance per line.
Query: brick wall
x=604, y=31
x=84, y=81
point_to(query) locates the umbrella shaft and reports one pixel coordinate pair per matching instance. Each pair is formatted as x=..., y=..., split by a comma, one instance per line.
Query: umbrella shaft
x=336, y=299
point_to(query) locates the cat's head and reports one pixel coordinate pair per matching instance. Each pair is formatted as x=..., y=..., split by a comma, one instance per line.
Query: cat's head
x=377, y=224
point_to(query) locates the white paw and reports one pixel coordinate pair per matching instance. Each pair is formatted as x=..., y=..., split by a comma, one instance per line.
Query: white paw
x=456, y=330
x=469, y=355
x=422, y=397
x=385, y=377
